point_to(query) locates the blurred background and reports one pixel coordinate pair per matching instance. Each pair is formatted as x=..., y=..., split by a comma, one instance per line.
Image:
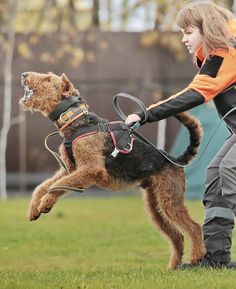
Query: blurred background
x=104, y=47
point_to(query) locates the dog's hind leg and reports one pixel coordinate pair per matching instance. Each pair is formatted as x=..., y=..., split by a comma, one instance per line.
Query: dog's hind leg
x=180, y=216
x=171, y=202
x=162, y=223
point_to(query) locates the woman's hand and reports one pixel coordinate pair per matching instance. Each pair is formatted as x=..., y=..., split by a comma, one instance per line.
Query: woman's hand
x=132, y=118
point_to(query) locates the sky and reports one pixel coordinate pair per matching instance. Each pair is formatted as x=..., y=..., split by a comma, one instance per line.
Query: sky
x=140, y=20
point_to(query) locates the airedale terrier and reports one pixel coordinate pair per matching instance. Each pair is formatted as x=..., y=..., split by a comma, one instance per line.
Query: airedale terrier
x=93, y=159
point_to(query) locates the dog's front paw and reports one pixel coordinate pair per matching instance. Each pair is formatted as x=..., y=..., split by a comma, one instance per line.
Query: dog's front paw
x=33, y=213
x=47, y=203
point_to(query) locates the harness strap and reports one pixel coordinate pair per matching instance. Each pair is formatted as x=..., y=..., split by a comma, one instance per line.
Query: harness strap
x=123, y=145
x=123, y=142
x=67, y=142
x=119, y=132
x=65, y=188
x=56, y=155
x=63, y=164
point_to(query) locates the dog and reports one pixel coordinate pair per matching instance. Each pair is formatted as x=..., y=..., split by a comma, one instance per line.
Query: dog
x=94, y=159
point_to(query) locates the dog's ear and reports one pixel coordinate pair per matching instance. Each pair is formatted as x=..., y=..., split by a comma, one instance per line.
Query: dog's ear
x=68, y=87
x=67, y=83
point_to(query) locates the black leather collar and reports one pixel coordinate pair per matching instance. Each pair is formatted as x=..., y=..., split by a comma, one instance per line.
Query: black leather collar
x=63, y=106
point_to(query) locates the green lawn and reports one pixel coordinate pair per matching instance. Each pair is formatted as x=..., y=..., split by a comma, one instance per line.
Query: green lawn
x=88, y=243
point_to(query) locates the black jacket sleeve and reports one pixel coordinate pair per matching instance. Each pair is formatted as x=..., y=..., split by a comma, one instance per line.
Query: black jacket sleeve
x=174, y=105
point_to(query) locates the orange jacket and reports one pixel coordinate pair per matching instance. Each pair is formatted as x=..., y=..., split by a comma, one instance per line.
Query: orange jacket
x=217, y=76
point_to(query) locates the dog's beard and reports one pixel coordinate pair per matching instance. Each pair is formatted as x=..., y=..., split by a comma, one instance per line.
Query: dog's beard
x=26, y=105
x=27, y=94
x=26, y=102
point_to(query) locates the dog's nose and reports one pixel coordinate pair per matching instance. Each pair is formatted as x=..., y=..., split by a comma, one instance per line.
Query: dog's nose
x=24, y=74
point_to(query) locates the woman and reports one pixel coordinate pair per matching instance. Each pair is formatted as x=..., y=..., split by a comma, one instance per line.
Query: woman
x=207, y=34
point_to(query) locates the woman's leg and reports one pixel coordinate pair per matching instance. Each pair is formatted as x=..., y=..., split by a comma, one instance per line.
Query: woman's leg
x=220, y=203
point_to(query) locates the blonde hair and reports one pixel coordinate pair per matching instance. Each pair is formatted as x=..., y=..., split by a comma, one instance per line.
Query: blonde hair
x=212, y=21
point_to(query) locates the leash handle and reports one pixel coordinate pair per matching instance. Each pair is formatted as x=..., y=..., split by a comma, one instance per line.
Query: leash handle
x=133, y=98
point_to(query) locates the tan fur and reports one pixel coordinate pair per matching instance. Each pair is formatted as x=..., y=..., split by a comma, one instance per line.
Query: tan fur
x=164, y=192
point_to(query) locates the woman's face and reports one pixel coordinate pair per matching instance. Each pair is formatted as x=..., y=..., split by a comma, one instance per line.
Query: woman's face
x=192, y=38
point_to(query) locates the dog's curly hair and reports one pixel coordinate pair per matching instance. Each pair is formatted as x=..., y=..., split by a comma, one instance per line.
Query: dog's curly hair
x=162, y=182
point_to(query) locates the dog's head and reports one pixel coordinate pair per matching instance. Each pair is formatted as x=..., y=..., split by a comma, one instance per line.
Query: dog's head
x=43, y=92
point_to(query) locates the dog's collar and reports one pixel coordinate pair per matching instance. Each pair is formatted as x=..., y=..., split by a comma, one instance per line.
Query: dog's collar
x=63, y=106
x=64, y=113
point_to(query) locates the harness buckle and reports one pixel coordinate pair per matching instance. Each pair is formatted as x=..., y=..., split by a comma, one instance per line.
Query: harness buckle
x=85, y=110
x=130, y=146
x=135, y=126
x=66, y=116
x=115, y=152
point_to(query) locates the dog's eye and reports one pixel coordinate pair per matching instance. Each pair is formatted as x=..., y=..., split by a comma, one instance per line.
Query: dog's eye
x=56, y=86
x=47, y=78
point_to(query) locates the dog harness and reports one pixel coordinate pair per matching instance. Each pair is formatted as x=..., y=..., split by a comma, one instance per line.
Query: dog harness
x=119, y=133
x=65, y=113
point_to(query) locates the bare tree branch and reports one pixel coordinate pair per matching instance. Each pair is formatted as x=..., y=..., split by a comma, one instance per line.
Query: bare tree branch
x=95, y=15
x=7, y=99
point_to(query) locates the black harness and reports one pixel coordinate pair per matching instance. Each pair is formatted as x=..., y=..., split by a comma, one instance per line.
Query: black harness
x=119, y=132
x=74, y=107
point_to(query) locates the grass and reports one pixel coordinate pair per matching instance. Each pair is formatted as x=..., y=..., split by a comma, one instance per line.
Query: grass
x=93, y=243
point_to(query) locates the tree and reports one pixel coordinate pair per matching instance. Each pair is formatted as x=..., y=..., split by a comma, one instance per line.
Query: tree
x=9, y=50
x=95, y=15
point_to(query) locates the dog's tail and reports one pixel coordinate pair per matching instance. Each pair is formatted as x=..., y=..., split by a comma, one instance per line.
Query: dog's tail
x=195, y=133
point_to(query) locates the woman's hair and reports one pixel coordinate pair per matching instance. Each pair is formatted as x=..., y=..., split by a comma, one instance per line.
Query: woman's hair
x=212, y=21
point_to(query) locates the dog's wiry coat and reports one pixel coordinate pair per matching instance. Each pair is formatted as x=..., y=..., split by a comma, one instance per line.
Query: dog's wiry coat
x=163, y=183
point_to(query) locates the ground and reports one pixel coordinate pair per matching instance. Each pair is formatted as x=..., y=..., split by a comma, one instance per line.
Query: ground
x=93, y=243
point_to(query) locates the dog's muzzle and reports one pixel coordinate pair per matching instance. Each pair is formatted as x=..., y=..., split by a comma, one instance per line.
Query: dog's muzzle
x=28, y=92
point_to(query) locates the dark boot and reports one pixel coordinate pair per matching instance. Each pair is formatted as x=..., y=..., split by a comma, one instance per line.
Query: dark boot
x=208, y=264
x=217, y=233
